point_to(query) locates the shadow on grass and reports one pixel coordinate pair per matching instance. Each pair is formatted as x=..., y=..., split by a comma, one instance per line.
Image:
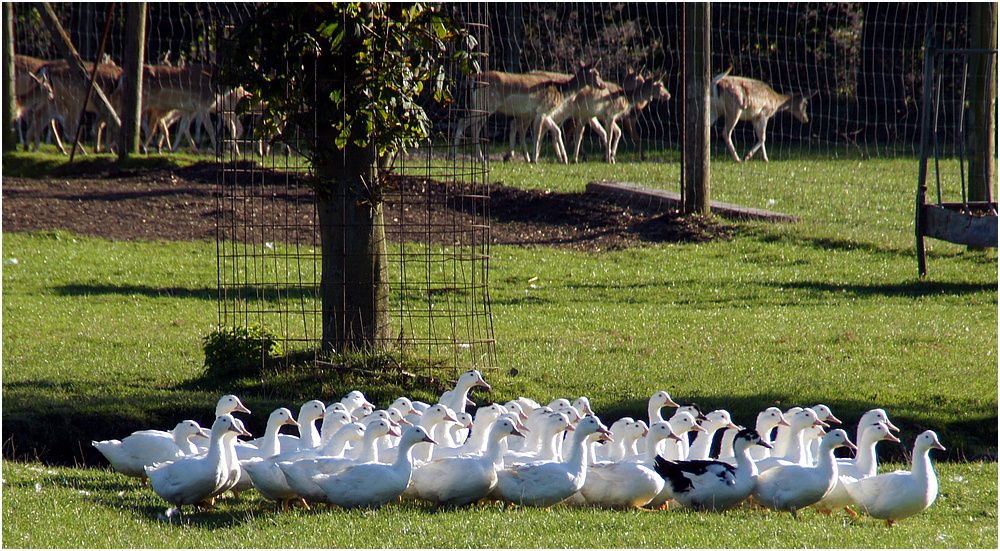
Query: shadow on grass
x=972, y=438
x=55, y=423
x=915, y=289
x=246, y=292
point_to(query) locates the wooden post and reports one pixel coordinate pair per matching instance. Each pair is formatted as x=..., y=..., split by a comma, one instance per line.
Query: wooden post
x=135, y=54
x=697, y=166
x=982, y=101
x=9, y=88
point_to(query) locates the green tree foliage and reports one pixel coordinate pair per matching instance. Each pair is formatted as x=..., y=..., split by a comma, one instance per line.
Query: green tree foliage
x=357, y=68
x=348, y=76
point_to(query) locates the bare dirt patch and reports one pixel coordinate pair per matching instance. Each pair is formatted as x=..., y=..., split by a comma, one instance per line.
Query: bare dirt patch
x=178, y=205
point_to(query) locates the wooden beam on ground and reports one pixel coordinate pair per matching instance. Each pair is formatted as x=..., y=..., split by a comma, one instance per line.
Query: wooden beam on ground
x=649, y=199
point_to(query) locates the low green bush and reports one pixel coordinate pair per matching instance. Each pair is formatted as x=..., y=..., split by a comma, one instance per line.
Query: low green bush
x=239, y=351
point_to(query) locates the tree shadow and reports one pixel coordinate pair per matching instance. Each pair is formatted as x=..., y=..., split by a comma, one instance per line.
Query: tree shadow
x=244, y=292
x=970, y=438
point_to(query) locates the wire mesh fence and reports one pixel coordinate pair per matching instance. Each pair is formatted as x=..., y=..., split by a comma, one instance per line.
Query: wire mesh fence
x=435, y=224
x=860, y=64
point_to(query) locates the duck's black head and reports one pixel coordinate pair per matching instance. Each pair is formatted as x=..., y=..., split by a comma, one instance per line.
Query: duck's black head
x=751, y=436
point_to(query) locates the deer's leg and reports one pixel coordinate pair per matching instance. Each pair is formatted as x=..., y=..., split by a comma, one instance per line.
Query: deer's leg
x=463, y=123
x=515, y=128
x=731, y=120
x=477, y=128
x=578, y=138
x=557, y=139
x=206, y=121
x=185, y=130
x=603, y=133
x=614, y=139
x=524, y=127
x=760, y=128
x=539, y=127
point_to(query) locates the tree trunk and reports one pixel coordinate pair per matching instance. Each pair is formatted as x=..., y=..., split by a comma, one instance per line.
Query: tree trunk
x=354, y=282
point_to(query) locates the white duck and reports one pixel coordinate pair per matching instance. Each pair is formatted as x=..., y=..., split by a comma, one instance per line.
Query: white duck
x=309, y=436
x=633, y=432
x=682, y=422
x=335, y=416
x=132, y=454
x=545, y=484
x=615, y=450
x=714, y=485
x=429, y=420
x=901, y=494
x=825, y=414
x=864, y=465
x=792, y=487
x=374, y=484
x=458, y=397
x=582, y=404
x=533, y=419
x=232, y=461
x=270, y=481
x=622, y=484
x=713, y=422
x=227, y=404
x=513, y=406
x=273, y=484
x=549, y=429
x=357, y=404
x=458, y=481
x=658, y=432
x=475, y=444
x=795, y=444
x=191, y=480
x=269, y=444
x=767, y=420
x=298, y=474
x=872, y=416
x=782, y=436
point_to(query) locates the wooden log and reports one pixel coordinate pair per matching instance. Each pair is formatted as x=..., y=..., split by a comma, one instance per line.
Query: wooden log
x=654, y=200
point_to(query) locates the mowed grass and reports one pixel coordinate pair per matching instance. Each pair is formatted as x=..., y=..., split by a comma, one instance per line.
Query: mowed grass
x=828, y=310
x=96, y=508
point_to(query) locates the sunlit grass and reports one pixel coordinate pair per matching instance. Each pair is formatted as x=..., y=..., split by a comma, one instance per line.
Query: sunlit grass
x=95, y=508
x=100, y=335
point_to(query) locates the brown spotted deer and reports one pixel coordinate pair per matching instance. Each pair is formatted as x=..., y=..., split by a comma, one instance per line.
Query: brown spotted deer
x=601, y=109
x=35, y=102
x=746, y=99
x=530, y=96
x=70, y=93
x=169, y=91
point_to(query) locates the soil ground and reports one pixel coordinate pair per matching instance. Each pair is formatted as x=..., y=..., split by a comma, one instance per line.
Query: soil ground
x=185, y=204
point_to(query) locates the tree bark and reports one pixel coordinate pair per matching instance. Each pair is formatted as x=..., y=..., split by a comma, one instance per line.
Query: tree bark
x=354, y=282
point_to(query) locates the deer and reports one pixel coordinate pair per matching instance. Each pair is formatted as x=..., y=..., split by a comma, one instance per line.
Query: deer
x=746, y=99
x=70, y=93
x=521, y=95
x=593, y=106
x=35, y=101
x=169, y=91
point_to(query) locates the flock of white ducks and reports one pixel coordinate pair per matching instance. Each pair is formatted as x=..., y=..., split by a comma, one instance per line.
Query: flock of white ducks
x=529, y=454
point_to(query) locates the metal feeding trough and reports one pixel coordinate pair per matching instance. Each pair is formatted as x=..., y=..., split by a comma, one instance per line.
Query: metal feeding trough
x=958, y=115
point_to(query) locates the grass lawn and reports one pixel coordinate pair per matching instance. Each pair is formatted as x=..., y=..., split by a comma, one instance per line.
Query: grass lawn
x=100, y=335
